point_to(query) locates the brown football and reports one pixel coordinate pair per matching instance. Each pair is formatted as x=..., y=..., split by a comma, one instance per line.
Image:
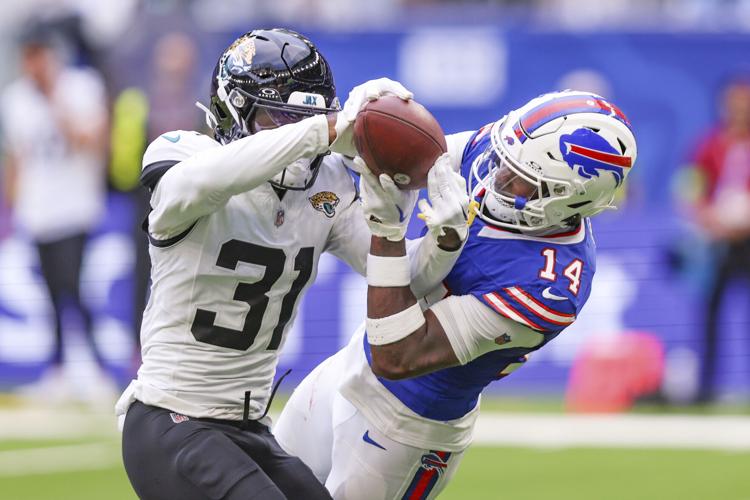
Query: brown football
x=399, y=138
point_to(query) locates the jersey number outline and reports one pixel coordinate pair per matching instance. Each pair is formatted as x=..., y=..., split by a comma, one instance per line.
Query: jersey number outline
x=254, y=294
x=572, y=271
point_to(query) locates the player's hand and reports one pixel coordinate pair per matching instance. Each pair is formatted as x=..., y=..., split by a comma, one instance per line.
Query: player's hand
x=387, y=208
x=448, y=209
x=358, y=97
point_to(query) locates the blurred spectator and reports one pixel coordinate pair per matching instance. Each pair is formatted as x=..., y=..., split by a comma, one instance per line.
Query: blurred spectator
x=140, y=117
x=53, y=119
x=722, y=211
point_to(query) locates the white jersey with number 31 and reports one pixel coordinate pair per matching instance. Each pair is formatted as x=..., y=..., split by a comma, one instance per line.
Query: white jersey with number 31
x=225, y=289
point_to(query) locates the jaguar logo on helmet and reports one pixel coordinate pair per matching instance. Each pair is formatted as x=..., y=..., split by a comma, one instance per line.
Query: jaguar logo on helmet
x=241, y=56
x=591, y=153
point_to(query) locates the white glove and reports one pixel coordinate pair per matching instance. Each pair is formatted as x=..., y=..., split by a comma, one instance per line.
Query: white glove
x=450, y=202
x=387, y=208
x=358, y=97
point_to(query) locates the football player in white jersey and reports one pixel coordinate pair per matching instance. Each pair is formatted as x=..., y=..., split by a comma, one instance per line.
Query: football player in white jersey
x=390, y=415
x=237, y=226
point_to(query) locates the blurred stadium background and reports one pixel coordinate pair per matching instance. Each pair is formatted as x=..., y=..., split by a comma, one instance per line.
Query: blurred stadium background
x=613, y=408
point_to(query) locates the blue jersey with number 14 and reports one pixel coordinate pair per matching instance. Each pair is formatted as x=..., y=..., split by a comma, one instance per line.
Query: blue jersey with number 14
x=540, y=282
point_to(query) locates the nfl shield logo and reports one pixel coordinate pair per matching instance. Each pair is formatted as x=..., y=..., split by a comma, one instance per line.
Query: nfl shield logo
x=279, y=218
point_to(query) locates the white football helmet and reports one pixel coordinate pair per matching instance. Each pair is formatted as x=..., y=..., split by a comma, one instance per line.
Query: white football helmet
x=558, y=158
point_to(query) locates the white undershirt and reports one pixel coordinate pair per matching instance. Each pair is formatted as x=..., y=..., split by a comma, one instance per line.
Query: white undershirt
x=60, y=191
x=473, y=329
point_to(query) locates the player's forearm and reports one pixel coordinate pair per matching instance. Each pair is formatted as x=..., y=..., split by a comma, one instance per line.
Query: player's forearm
x=421, y=345
x=385, y=301
x=204, y=182
x=249, y=162
x=389, y=359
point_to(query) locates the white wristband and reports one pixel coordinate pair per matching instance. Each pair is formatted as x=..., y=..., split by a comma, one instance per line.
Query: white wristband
x=395, y=327
x=388, y=271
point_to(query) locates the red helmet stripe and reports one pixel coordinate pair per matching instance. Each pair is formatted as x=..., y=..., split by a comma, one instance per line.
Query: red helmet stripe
x=612, y=159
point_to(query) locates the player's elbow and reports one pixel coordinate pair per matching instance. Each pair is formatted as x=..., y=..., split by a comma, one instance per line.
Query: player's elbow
x=390, y=367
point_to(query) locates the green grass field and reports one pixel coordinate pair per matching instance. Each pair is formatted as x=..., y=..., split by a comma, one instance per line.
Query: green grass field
x=486, y=473
x=88, y=467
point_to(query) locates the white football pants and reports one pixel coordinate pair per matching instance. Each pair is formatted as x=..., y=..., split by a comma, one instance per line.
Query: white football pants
x=352, y=458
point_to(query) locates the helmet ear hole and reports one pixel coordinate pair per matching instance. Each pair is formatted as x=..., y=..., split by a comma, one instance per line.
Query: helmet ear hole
x=623, y=147
x=579, y=204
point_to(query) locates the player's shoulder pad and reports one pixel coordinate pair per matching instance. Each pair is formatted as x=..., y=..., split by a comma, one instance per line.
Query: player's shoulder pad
x=169, y=149
x=542, y=307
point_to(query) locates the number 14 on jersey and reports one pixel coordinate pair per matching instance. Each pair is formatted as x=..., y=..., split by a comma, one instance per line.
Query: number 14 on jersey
x=572, y=271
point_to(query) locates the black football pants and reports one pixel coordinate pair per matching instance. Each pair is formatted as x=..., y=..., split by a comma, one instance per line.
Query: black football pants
x=60, y=262
x=170, y=457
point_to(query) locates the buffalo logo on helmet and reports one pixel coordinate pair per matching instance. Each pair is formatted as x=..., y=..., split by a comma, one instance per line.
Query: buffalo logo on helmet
x=326, y=202
x=432, y=461
x=591, y=152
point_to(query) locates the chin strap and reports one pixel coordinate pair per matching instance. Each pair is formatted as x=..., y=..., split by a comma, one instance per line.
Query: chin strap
x=211, y=120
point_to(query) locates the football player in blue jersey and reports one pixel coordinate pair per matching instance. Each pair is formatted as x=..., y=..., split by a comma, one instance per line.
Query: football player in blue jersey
x=391, y=414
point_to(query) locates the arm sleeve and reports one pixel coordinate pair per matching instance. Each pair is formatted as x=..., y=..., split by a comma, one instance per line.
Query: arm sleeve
x=205, y=181
x=429, y=264
x=349, y=239
x=473, y=329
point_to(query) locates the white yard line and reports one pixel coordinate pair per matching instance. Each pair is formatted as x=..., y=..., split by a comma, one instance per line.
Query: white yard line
x=56, y=459
x=708, y=432
x=728, y=433
x=44, y=423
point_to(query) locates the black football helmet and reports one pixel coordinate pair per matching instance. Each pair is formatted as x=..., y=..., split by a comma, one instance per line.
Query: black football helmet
x=265, y=79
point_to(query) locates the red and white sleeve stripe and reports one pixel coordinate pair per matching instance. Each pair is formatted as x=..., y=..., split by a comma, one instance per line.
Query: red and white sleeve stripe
x=538, y=309
x=504, y=308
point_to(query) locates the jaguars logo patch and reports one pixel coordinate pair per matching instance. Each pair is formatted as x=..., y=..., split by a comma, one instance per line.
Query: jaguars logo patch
x=326, y=202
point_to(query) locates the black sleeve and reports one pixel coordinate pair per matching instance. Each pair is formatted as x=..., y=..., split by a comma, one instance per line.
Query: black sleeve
x=153, y=172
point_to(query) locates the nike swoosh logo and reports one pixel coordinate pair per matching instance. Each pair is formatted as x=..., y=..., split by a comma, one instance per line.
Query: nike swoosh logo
x=400, y=214
x=547, y=294
x=367, y=439
x=172, y=138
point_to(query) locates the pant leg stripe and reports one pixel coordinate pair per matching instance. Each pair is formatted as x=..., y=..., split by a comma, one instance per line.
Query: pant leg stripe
x=424, y=480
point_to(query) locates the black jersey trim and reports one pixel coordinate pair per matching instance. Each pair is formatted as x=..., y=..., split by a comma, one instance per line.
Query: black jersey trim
x=153, y=172
x=169, y=241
